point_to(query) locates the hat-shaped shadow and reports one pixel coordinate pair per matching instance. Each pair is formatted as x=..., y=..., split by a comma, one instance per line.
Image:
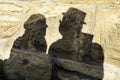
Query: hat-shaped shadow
x=76, y=45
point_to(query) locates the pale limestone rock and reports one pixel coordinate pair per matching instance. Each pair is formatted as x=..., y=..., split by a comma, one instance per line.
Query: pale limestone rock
x=107, y=33
x=91, y=2
x=8, y=28
x=10, y=23
x=108, y=73
x=76, y=1
x=5, y=47
x=111, y=72
x=88, y=2
x=10, y=6
x=117, y=74
x=10, y=18
x=108, y=2
x=34, y=1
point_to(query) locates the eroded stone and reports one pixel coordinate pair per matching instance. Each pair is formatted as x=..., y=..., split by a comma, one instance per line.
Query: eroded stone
x=107, y=34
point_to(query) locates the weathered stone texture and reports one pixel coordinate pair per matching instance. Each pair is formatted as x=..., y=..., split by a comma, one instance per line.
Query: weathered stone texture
x=88, y=2
x=8, y=28
x=77, y=1
x=107, y=32
x=117, y=74
x=91, y=2
x=108, y=2
x=10, y=23
x=10, y=18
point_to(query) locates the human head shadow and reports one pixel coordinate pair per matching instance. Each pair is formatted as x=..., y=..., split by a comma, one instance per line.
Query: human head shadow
x=69, y=28
x=76, y=45
x=33, y=39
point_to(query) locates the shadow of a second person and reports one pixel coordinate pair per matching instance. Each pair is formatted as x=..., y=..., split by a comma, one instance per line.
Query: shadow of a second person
x=76, y=45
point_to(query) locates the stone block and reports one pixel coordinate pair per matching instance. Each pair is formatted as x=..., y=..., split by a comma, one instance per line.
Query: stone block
x=107, y=33
x=76, y=1
x=108, y=2
x=11, y=22
x=10, y=18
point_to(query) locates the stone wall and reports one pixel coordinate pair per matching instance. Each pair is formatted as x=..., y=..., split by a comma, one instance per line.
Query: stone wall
x=102, y=21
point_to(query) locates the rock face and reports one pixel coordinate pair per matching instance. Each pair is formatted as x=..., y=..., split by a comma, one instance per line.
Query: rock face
x=10, y=19
x=27, y=66
x=10, y=23
x=34, y=38
x=109, y=36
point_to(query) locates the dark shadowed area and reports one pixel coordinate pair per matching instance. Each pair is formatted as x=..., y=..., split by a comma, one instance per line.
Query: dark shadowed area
x=33, y=39
x=74, y=57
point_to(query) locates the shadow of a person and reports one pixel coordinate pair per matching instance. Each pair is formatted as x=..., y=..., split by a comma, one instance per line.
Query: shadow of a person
x=70, y=28
x=76, y=45
x=34, y=37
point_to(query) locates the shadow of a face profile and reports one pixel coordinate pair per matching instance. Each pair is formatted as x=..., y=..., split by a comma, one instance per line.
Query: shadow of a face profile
x=76, y=45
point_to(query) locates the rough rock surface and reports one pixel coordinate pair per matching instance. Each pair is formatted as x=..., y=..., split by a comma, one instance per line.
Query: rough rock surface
x=109, y=37
x=10, y=24
x=10, y=19
x=27, y=66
